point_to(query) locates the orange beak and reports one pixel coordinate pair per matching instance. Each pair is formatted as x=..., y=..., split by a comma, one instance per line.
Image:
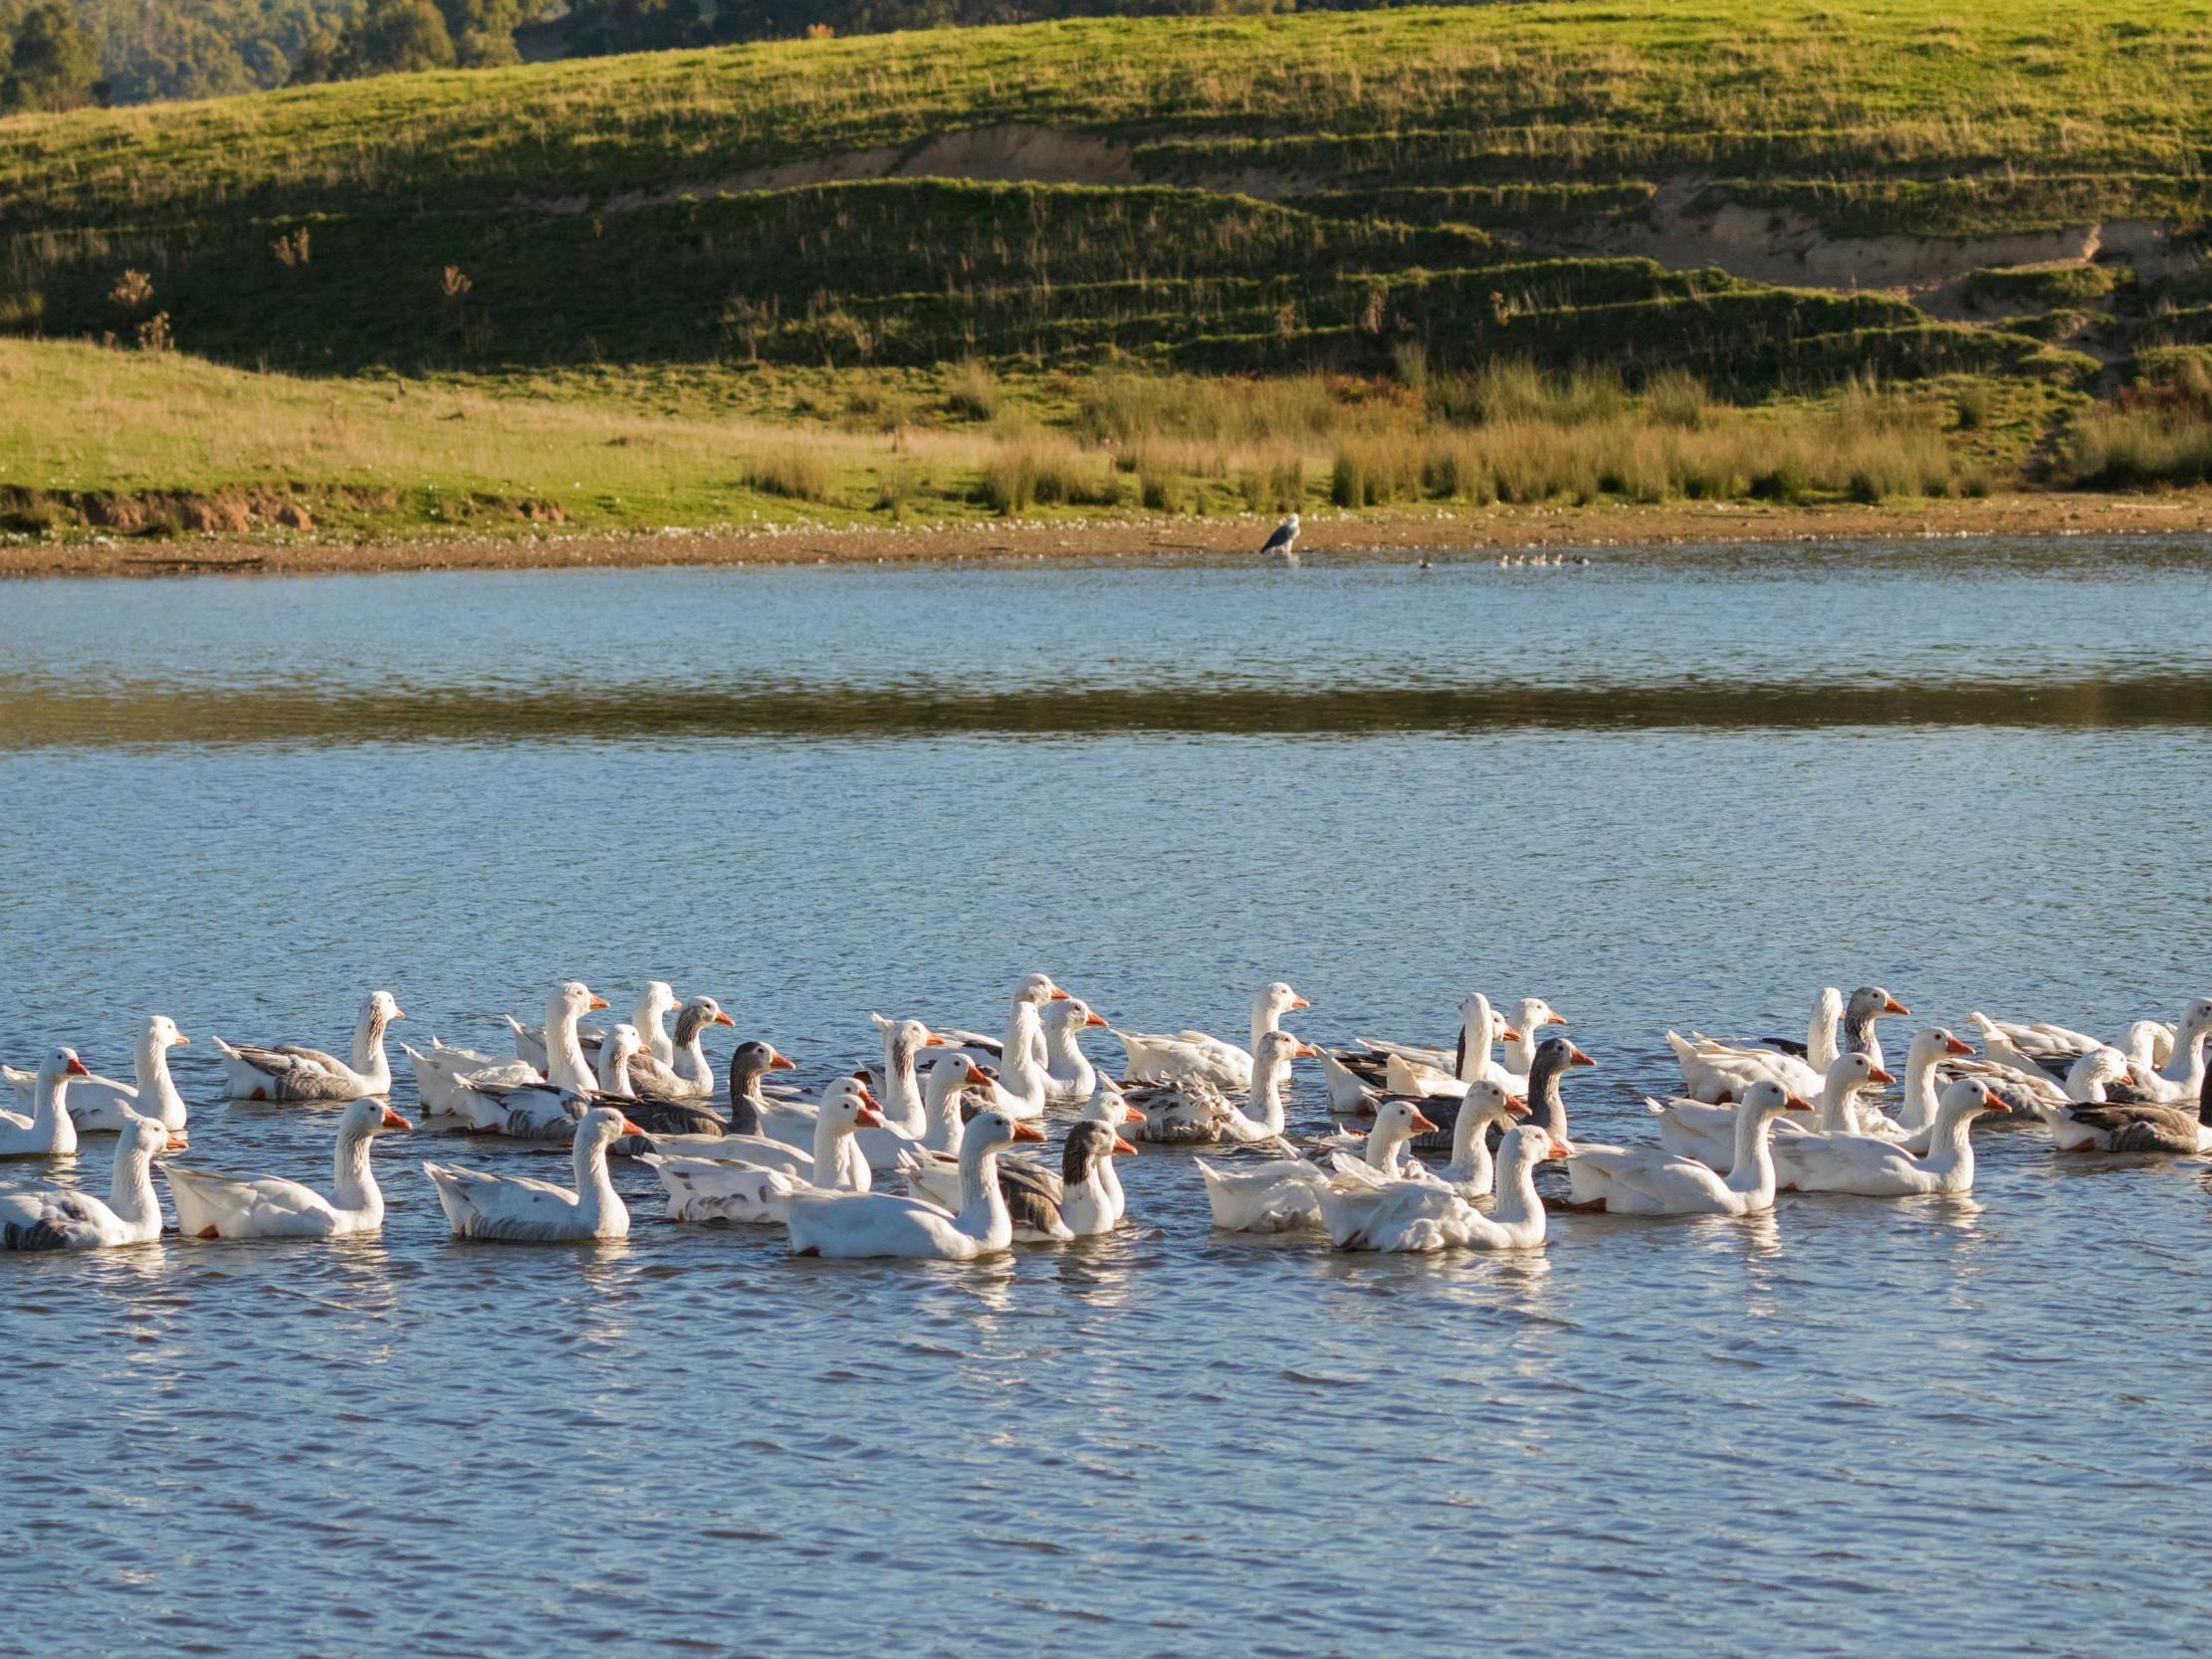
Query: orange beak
x=598, y=1002
x=393, y=1119
x=1998, y=1103
x=399, y=1013
x=1554, y=1019
x=629, y=1128
x=77, y=1068
x=1796, y=1103
x=178, y=1143
x=1123, y=1148
x=1131, y=1115
x=1881, y=1074
x=1027, y=1131
x=721, y=1019
x=1300, y=1003
x=868, y=1119
x=1057, y=995
x=776, y=1063
x=1422, y=1125
x=932, y=1040
x=1096, y=1019
x=1894, y=1006
x=1306, y=1051
x=868, y=1099
x=1509, y=1035
x=975, y=1073
x=182, y=1038
x=1575, y=1057
x=1515, y=1105
x=1954, y=1046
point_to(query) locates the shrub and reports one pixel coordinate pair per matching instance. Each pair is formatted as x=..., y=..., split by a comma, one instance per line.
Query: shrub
x=972, y=390
x=796, y=474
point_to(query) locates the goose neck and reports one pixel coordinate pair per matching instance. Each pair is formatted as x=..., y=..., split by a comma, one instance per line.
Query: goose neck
x=1476, y=1026
x=1516, y=1190
x=352, y=1180
x=1754, y=1171
x=131, y=1194
x=983, y=1207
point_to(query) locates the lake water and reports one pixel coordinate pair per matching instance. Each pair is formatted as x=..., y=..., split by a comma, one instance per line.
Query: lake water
x=1687, y=787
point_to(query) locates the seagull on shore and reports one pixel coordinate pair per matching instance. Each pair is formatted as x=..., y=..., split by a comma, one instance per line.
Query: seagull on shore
x=1285, y=542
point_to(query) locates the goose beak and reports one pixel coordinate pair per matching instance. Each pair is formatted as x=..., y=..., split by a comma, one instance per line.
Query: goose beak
x=1123, y=1148
x=1575, y=1057
x=399, y=1013
x=1954, y=1046
x=1131, y=1115
x=867, y=1100
x=975, y=1073
x=869, y=1118
x=181, y=1039
x=1422, y=1124
x=393, y=1119
x=1515, y=1105
x=75, y=1067
x=932, y=1040
x=176, y=1142
x=1027, y=1131
x=1300, y=1003
x=1509, y=1035
x=1796, y=1103
x=1095, y=1020
x=721, y=1019
x=1057, y=995
x=1999, y=1104
x=1881, y=1074
x=1893, y=1006
x=1553, y=1019
x=629, y=1127
x=598, y=1002
x=1306, y=1051
x=777, y=1062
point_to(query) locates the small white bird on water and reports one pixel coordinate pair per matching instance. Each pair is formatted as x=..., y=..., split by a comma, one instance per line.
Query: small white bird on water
x=1285, y=542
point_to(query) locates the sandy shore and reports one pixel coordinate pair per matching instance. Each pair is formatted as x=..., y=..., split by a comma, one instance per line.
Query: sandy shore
x=1135, y=539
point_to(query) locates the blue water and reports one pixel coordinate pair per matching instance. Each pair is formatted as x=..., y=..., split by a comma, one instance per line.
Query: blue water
x=1947, y=1427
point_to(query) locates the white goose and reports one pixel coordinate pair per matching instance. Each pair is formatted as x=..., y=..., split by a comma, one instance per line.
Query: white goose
x=882, y=1224
x=1023, y=1034
x=519, y=1209
x=2089, y=1082
x=830, y=1160
x=1198, y=1114
x=689, y=1076
x=1471, y=1171
x=1195, y=1057
x=2181, y=1079
x=2032, y=1046
x=1927, y=1050
x=1092, y=1201
x=1417, y=1218
x=759, y=1194
x=1650, y=1180
x=1410, y=1069
x=1818, y=1051
x=1068, y=1072
x=63, y=1219
x=1387, y=1153
x=1709, y=1133
x=1873, y=1168
x=538, y=1110
x=654, y=1004
x=931, y=1164
x=619, y=1056
x=904, y=1110
x=102, y=1105
x=48, y=1132
x=291, y=1072
x=2171, y=1130
x=210, y=1205
x=1719, y=1071
x=442, y=1068
x=1530, y=1015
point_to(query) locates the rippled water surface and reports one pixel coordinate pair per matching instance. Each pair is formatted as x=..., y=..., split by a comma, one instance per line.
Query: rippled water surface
x=1683, y=789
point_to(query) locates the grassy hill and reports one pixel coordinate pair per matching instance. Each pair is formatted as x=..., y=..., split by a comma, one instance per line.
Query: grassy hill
x=1993, y=211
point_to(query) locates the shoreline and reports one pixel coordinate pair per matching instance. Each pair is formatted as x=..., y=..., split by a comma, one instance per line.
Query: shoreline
x=1492, y=528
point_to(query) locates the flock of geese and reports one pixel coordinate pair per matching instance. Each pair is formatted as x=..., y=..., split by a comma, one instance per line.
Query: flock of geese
x=942, y=1109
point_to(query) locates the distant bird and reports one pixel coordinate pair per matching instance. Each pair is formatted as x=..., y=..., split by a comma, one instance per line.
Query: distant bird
x=1424, y=561
x=1285, y=542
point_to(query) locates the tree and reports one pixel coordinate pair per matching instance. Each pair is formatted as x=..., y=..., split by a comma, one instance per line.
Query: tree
x=599, y=27
x=389, y=37
x=53, y=63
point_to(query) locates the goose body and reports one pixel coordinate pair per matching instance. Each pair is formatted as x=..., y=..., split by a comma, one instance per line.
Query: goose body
x=2171, y=1130
x=883, y=1224
x=48, y=1132
x=1708, y=1134
x=1416, y=1217
x=733, y=1190
x=831, y=1160
x=292, y=1073
x=65, y=1220
x=654, y=1004
x=1650, y=1180
x=518, y=1209
x=1068, y=1072
x=688, y=1076
x=1873, y=1168
x=1197, y=1113
x=1196, y=1057
x=102, y=1105
x=212, y=1206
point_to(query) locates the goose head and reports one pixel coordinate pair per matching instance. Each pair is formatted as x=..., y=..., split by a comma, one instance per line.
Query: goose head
x=848, y=1106
x=1277, y=999
x=2088, y=1077
x=1872, y=1002
x=904, y=1039
x=2196, y=1018
x=1037, y=990
x=1276, y=1049
x=1397, y=1122
x=602, y=1126
x=1526, y=1143
x=988, y=1132
x=1488, y=1104
x=623, y=1044
x=161, y=1033
x=62, y=1062
x=1970, y=1097
x=696, y=1015
x=656, y=1002
x=380, y=1010
x=754, y=1059
x=571, y=1002
x=1088, y=1144
x=1768, y=1098
x=1107, y=1105
x=1534, y=1013
x=1853, y=1072
x=1934, y=1044
x=1070, y=1015
x=1555, y=1055
x=145, y=1137
x=369, y=1116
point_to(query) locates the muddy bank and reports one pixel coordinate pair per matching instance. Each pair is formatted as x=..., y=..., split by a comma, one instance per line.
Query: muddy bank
x=1490, y=528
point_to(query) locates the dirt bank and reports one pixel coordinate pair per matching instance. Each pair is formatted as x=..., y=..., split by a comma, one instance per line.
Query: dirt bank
x=1136, y=540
